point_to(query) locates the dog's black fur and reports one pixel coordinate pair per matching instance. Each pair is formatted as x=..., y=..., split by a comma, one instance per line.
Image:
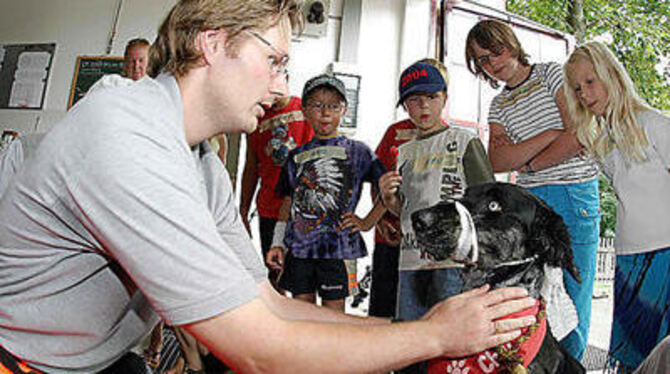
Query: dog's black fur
x=512, y=225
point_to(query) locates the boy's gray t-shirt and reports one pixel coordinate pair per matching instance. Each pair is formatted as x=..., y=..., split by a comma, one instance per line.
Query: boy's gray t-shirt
x=436, y=168
x=114, y=183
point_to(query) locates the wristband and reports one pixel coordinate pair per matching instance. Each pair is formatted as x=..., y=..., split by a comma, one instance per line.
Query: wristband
x=278, y=235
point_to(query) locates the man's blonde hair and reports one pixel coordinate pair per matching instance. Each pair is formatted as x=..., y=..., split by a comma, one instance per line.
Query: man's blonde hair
x=174, y=49
x=492, y=35
x=617, y=127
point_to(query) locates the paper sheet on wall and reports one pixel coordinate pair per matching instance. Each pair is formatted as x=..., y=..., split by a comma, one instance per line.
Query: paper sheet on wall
x=29, y=78
x=26, y=94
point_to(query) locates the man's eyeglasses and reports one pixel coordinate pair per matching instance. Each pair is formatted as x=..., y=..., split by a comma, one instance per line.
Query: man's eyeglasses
x=279, y=61
x=319, y=106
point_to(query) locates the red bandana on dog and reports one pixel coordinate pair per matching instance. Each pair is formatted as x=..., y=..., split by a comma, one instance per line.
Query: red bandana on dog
x=502, y=358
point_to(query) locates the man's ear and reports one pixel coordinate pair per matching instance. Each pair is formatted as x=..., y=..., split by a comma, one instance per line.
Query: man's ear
x=211, y=43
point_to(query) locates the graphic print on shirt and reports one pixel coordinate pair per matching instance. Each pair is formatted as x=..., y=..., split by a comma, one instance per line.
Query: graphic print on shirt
x=323, y=188
x=281, y=143
x=432, y=172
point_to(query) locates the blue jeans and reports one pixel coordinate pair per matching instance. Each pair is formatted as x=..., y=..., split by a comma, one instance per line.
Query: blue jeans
x=579, y=206
x=419, y=290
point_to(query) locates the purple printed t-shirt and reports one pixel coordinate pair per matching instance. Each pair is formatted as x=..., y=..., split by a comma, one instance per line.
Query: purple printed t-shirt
x=324, y=179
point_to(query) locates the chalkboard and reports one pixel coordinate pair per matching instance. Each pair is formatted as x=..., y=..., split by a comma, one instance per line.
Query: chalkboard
x=24, y=73
x=88, y=70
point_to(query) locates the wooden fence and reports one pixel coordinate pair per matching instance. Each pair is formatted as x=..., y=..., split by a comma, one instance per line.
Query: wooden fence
x=605, y=261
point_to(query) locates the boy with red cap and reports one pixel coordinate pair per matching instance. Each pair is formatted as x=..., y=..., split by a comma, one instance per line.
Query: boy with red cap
x=384, y=285
x=436, y=166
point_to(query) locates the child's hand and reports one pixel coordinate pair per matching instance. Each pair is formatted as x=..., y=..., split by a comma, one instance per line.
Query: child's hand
x=388, y=184
x=353, y=222
x=275, y=258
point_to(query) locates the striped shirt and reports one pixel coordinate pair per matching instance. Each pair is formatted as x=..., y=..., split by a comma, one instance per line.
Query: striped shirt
x=530, y=109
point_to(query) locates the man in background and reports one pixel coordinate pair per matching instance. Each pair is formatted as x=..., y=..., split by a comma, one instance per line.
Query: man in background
x=136, y=58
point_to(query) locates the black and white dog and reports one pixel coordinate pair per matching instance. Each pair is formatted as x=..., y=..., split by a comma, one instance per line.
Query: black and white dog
x=505, y=236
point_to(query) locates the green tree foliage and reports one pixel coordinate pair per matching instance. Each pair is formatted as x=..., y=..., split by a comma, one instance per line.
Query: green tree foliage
x=639, y=31
x=608, y=208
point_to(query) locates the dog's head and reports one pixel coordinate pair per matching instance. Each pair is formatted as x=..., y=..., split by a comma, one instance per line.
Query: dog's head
x=516, y=235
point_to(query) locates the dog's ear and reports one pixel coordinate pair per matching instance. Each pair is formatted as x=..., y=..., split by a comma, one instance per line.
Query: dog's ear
x=551, y=239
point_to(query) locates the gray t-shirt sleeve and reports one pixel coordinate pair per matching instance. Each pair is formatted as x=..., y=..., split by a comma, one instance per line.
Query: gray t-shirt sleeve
x=140, y=192
x=476, y=164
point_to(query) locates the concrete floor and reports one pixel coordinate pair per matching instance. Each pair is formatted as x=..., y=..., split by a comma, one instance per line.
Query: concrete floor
x=599, y=332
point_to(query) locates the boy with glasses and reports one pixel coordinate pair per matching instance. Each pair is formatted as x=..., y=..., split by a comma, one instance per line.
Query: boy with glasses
x=322, y=183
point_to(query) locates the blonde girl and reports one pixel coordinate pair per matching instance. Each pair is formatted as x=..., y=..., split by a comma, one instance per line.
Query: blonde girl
x=631, y=141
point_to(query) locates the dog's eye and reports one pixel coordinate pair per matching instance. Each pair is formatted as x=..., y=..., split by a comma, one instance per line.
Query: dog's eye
x=495, y=206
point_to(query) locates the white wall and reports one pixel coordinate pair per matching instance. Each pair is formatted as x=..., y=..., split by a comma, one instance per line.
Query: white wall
x=378, y=54
x=78, y=27
x=83, y=27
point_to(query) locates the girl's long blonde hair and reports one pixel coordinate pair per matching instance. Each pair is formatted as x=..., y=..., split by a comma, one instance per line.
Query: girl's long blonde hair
x=617, y=127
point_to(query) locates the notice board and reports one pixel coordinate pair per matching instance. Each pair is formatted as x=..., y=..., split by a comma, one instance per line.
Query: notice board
x=24, y=73
x=87, y=70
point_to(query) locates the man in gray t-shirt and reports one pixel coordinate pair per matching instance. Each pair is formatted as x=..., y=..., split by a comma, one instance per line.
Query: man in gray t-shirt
x=124, y=215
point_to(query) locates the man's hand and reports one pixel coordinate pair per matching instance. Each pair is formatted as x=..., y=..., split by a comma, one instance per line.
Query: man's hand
x=275, y=258
x=472, y=317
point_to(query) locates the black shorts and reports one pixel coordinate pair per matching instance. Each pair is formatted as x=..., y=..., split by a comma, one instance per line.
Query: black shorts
x=384, y=287
x=307, y=276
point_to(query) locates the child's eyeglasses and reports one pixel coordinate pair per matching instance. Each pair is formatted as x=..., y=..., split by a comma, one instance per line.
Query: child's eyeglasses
x=486, y=59
x=319, y=106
